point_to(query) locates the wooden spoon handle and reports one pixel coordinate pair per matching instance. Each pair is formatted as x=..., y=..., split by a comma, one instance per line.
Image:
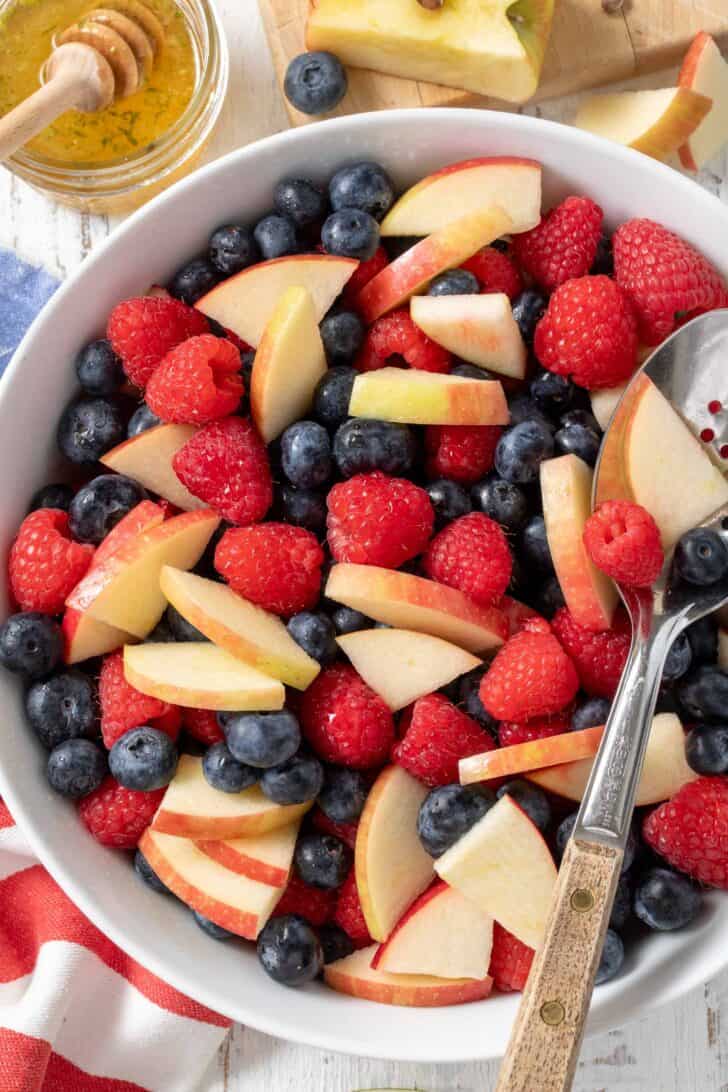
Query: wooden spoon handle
x=544, y=1046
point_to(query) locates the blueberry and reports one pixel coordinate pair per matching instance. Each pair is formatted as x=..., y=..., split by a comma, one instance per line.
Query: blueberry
x=275, y=236
x=343, y=335
x=76, y=767
x=448, y=812
x=580, y=417
x=592, y=713
x=703, y=638
x=180, y=628
x=350, y=233
x=603, y=264
x=522, y=449
x=225, y=773
x=315, y=82
x=301, y=200
x=332, y=395
x=263, y=740
x=65, y=706
x=146, y=873
x=449, y=500
x=679, y=659
x=57, y=495
x=530, y=798
x=306, y=454
x=289, y=950
x=194, y=280
x=98, y=506
x=335, y=943
x=664, y=900
x=304, y=508
x=535, y=547
x=363, y=444
x=701, y=557
x=30, y=644
x=99, y=369
x=232, y=248
x=217, y=932
x=348, y=620
x=622, y=907
x=522, y=408
x=88, y=429
x=578, y=440
x=295, y=781
x=365, y=186
x=343, y=795
x=469, y=699
x=563, y=833
x=528, y=309
x=553, y=394
x=314, y=632
x=612, y=958
x=706, y=749
x=141, y=420
x=503, y=501
x=456, y=282
x=549, y=598
x=704, y=693
x=322, y=860
x=143, y=759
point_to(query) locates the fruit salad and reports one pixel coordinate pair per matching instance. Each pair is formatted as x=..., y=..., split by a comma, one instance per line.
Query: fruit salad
x=324, y=634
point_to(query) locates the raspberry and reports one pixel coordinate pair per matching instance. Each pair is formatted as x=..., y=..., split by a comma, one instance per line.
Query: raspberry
x=349, y=915
x=463, y=453
x=274, y=565
x=202, y=725
x=45, y=564
x=471, y=554
x=495, y=272
x=531, y=676
x=623, y=540
x=122, y=706
x=691, y=830
x=197, y=382
x=589, y=332
x=517, y=614
x=599, y=658
x=510, y=960
x=510, y=734
x=345, y=721
x=226, y=465
x=363, y=274
x=563, y=245
x=397, y=335
x=116, y=816
x=377, y=520
x=668, y=280
x=143, y=330
x=345, y=831
x=315, y=904
x=438, y=736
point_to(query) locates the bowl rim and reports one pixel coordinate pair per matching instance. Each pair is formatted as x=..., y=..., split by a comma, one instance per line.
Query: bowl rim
x=433, y=1050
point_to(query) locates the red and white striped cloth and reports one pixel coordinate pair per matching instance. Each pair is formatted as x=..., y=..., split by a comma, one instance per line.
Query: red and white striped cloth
x=76, y=1013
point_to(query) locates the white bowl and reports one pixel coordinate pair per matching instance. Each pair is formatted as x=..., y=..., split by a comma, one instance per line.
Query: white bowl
x=156, y=931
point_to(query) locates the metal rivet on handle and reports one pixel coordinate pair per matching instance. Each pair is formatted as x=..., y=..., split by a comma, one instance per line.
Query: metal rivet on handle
x=582, y=900
x=552, y=1013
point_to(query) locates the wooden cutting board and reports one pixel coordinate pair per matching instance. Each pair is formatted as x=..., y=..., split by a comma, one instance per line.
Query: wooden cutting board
x=587, y=48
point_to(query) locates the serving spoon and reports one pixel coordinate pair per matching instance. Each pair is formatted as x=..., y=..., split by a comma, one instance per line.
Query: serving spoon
x=690, y=370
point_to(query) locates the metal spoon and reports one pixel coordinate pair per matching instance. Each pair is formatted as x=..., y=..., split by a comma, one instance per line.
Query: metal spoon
x=691, y=370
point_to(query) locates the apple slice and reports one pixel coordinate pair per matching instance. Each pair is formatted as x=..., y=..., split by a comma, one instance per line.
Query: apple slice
x=442, y=934
x=612, y=481
x=288, y=364
x=243, y=629
x=266, y=858
x=664, y=772
x=412, y=602
x=604, y=402
x=199, y=675
x=444, y=249
x=667, y=469
x=231, y=900
x=653, y=122
x=123, y=589
x=705, y=71
x=244, y=303
x=402, y=665
x=440, y=198
x=191, y=808
x=479, y=329
x=148, y=459
x=413, y=397
x=356, y=977
x=534, y=755
x=723, y=649
x=566, y=489
x=504, y=866
x=392, y=868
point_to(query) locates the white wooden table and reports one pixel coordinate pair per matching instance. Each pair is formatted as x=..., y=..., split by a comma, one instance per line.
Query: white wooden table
x=682, y=1048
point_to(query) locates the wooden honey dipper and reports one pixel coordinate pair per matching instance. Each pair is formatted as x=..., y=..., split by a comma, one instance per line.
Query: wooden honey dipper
x=104, y=57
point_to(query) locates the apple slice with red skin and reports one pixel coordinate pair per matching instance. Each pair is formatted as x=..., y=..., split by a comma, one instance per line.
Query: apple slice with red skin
x=412, y=397
x=356, y=977
x=442, y=934
x=266, y=858
x=478, y=328
x=705, y=71
x=148, y=459
x=533, y=755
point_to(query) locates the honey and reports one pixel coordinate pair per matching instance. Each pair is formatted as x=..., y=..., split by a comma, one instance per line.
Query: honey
x=125, y=129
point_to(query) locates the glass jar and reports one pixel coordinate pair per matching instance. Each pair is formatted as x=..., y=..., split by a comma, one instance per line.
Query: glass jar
x=123, y=185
